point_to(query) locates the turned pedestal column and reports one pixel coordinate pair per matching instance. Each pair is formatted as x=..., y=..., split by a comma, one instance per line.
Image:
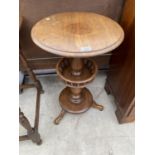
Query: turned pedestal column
x=77, y=36
x=75, y=98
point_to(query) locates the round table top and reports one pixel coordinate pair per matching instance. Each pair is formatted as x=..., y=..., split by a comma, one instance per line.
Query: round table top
x=77, y=34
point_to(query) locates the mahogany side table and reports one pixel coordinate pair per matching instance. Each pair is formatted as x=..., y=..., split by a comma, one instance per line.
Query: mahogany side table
x=76, y=36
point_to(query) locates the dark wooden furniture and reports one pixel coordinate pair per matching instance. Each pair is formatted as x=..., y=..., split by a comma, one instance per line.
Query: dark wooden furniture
x=121, y=76
x=76, y=36
x=34, y=10
x=32, y=132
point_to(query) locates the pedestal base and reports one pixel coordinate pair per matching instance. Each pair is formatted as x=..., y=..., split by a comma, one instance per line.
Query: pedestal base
x=75, y=98
x=69, y=106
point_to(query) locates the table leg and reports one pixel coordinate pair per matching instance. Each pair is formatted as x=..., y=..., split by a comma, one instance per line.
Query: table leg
x=30, y=72
x=60, y=117
x=32, y=133
x=97, y=106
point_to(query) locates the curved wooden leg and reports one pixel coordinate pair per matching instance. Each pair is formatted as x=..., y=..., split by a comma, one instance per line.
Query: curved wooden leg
x=97, y=106
x=60, y=117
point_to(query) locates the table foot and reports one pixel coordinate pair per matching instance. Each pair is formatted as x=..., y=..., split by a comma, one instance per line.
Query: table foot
x=35, y=137
x=60, y=117
x=97, y=106
x=40, y=142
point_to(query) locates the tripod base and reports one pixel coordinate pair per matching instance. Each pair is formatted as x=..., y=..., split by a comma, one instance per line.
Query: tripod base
x=68, y=106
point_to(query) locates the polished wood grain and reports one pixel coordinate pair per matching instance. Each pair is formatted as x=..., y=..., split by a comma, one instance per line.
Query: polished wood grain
x=35, y=10
x=77, y=34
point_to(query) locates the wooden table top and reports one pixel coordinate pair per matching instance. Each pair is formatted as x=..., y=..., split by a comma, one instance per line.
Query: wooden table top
x=77, y=34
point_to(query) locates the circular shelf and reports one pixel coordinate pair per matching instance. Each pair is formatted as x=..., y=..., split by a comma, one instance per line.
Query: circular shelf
x=88, y=73
x=67, y=104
